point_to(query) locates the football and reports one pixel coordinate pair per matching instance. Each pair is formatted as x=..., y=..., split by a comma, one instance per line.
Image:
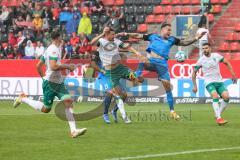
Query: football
x=180, y=56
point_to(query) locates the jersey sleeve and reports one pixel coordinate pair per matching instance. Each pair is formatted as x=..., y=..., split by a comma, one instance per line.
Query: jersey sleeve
x=176, y=41
x=218, y=57
x=198, y=65
x=119, y=43
x=148, y=37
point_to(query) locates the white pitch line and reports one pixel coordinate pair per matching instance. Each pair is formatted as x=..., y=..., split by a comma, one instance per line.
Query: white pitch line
x=174, y=153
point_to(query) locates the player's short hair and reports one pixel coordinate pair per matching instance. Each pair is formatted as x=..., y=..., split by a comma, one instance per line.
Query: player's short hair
x=206, y=44
x=55, y=35
x=165, y=25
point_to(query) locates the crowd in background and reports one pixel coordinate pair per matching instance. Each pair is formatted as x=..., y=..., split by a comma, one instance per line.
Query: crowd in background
x=25, y=27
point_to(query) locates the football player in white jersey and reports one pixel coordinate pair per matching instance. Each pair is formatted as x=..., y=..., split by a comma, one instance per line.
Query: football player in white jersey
x=209, y=63
x=108, y=48
x=53, y=84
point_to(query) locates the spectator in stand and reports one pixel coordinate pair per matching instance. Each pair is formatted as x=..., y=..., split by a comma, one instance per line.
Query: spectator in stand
x=11, y=38
x=2, y=54
x=72, y=24
x=47, y=18
x=74, y=39
x=65, y=16
x=68, y=50
x=39, y=50
x=84, y=46
x=205, y=38
x=97, y=7
x=37, y=10
x=20, y=39
x=85, y=25
x=56, y=13
x=46, y=39
x=4, y=15
x=29, y=51
x=9, y=52
x=37, y=24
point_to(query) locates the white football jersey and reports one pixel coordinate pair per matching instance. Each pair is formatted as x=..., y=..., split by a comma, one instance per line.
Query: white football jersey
x=109, y=51
x=210, y=67
x=53, y=53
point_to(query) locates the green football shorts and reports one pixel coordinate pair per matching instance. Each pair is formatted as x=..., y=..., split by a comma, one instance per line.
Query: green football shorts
x=50, y=90
x=218, y=87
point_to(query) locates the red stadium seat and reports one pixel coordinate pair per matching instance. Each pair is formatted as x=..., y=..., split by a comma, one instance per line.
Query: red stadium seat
x=84, y=9
x=119, y=2
x=215, y=1
x=224, y=1
x=186, y=10
x=227, y=56
x=233, y=36
x=142, y=28
x=167, y=9
x=224, y=46
x=186, y=2
x=108, y=2
x=210, y=17
x=234, y=46
x=176, y=2
x=166, y=2
x=195, y=10
x=217, y=9
x=177, y=10
x=150, y=19
x=195, y=2
x=236, y=55
x=237, y=27
x=159, y=18
x=158, y=10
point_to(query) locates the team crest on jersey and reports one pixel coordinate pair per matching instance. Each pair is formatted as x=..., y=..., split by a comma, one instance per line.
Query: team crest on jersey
x=110, y=46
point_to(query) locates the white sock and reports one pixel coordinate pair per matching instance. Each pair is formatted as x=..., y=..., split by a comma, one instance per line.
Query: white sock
x=121, y=108
x=223, y=106
x=70, y=118
x=37, y=105
x=216, y=109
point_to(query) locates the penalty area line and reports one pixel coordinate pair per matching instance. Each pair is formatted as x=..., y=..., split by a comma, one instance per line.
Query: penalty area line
x=175, y=153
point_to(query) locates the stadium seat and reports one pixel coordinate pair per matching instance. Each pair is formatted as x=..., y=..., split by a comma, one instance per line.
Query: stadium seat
x=119, y=2
x=210, y=18
x=224, y=1
x=232, y=36
x=217, y=9
x=156, y=2
x=138, y=2
x=195, y=2
x=108, y=2
x=215, y=1
x=196, y=10
x=166, y=2
x=237, y=27
x=129, y=2
x=103, y=19
x=186, y=2
x=140, y=18
x=168, y=9
x=150, y=19
x=84, y=9
x=147, y=2
x=142, y=28
x=177, y=10
x=186, y=10
x=224, y=46
x=130, y=19
x=140, y=9
x=236, y=55
x=159, y=18
x=132, y=27
x=227, y=56
x=94, y=19
x=176, y=2
x=158, y=10
x=149, y=10
x=129, y=10
x=234, y=46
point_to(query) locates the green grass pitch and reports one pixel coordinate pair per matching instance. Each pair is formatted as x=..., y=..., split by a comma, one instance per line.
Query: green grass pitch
x=26, y=134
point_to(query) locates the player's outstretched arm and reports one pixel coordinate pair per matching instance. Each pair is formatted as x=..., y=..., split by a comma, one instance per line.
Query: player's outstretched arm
x=230, y=68
x=56, y=67
x=138, y=54
x=95, y=40
x=131, y=35
x=191, y=41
